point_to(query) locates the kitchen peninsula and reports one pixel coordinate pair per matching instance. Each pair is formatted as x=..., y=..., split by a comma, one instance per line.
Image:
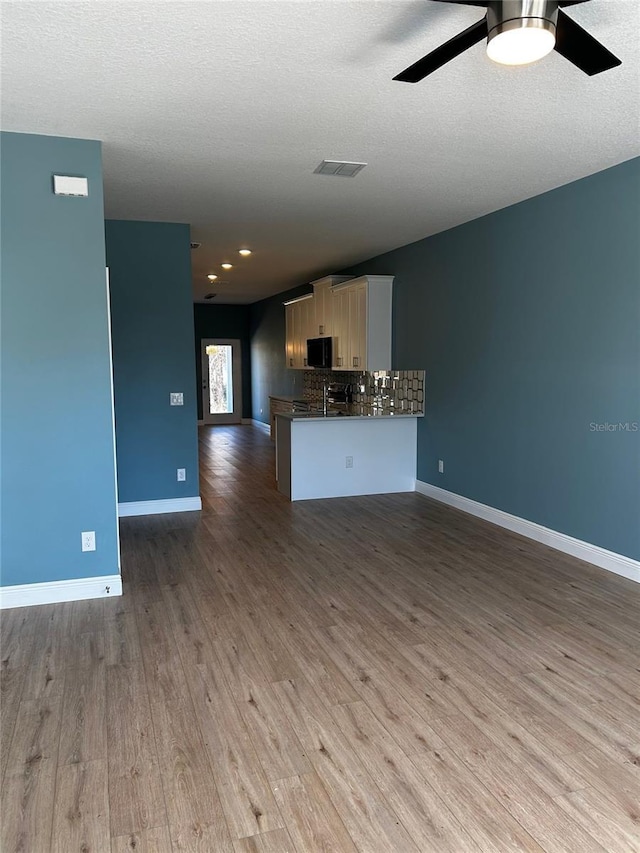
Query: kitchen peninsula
x=365, y=451
x=360, y=435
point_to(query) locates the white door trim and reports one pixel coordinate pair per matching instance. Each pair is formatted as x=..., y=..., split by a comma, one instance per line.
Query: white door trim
x=113, y=412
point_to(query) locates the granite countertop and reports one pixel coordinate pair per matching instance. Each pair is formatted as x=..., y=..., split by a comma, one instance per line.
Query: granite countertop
x=355, y=410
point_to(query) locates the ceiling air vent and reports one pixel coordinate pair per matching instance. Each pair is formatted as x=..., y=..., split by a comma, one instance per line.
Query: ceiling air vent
x=195, y=245
x=211, y=295
x=339, y=168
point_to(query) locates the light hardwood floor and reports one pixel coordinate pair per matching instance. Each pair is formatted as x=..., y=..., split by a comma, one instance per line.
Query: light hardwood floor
x=377, y=674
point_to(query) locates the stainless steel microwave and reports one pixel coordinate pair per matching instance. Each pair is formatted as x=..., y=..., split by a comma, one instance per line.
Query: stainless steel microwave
x=319, y=352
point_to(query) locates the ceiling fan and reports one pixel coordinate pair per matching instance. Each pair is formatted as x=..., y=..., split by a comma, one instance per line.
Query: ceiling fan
x=519, y=32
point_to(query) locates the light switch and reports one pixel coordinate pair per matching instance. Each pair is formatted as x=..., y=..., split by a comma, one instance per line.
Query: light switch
x=176, y=398
x=66, y=185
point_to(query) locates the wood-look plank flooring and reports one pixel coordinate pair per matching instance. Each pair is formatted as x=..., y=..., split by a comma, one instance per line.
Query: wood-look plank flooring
x=379, y=674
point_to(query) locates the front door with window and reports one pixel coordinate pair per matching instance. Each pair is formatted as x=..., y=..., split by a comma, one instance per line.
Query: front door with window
x=221, y=381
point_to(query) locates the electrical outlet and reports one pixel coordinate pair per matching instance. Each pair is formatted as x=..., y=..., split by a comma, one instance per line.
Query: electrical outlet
x=440, y=466
x=176, y=398
x=182, y=475
x=348, y=461
x=88, y=540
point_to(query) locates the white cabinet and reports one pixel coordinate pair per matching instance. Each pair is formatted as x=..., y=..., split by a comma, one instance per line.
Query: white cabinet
x=340, y=328
x=307, y=325
x=323, y=326
x=322, y=297
x=290, y=333
x=362, y=323
x=357, y=334
x=299, y=320
x=349, y=306
x=309, y=316
x=355, y=313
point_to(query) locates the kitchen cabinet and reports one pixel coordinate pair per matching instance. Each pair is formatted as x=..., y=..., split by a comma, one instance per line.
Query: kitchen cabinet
x=307, y=328
x=290, y=330
x=340, y=328
x=299, y=319
x=323, y=301
x=355, y=313
x=349, y=328
x=362, y=323
x=309, y=316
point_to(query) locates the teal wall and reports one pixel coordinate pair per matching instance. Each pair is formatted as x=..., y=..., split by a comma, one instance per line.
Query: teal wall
x=269, y=374
x=153, y=355
x=527, y=322
x=225, y=321
x=57, y=437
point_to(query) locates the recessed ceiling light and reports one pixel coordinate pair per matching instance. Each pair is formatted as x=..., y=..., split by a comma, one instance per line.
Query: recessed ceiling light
x=226, y=266
x=212, y=277
x=244, y=252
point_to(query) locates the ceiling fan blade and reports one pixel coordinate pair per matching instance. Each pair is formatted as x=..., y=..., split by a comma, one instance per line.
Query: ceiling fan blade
x=579, y=47
x=443, y=54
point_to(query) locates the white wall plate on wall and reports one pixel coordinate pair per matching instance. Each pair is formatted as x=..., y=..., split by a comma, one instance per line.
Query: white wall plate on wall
x=67, y=185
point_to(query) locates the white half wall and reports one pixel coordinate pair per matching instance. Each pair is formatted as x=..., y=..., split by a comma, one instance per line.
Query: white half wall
x=383, y=450
x=609, y=560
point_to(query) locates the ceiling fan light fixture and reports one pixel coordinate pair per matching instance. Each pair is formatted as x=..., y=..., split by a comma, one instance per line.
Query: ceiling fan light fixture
x=521, y=41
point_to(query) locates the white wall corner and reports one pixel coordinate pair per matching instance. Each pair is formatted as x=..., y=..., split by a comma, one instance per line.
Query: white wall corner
x=54, y=592
x=131, y=508
x=594, y=554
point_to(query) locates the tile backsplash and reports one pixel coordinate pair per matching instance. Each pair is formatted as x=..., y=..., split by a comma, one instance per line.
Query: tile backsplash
x=388, y=390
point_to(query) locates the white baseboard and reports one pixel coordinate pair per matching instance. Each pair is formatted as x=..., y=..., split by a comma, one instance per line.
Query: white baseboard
x=609, y=560
x=242, y=421
x=260, y=425
x=158, y=507
x=53, y=592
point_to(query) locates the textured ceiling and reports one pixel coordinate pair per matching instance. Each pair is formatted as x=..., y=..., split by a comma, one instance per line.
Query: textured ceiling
x=217, y=112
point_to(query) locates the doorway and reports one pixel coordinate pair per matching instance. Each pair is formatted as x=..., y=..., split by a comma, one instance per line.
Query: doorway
x=221, y=381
